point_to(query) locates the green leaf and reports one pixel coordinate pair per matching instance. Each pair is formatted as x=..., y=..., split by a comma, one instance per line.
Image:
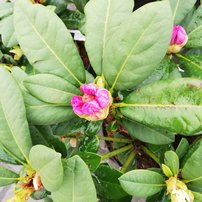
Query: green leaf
x=147, y=134
x=89, y=144
x=191, y=170
x=80, y=4
x=172, y=161
x=4, y=157
x=107, y=183
x=182, y=148
x=7, y=32
x=77, y=184
x=167, y=171
x=6, y=9
x=195, y=30
x=74, y=125
x=148, y=39
x=44, y=52
x=192, y=65
x=180, y=9
x=50, y=88
x=102, y=20
x=197, y=196
x=142, y=183
x=48, y=165
x=93, y=128
x=42, y=113
x=61, y=5
x=14, y=131
x=7, y=176
x=174, y=105
x=44, y=135
x=91, y=159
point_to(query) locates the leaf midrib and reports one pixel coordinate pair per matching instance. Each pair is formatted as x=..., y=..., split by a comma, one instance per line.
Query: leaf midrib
x=50, y=49
x=12, y=134
x=128, y=56
x=175, y=11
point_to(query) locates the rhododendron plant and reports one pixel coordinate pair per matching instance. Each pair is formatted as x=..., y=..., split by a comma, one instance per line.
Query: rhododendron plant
x=115, y=115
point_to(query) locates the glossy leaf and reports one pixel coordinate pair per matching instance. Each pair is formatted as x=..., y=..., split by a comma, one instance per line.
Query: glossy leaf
x=142, y=183
x=91, y=159
x=174, y=105
x=93, y=128
x=181, y=8
x=172, y=161
x=7, y=32
x=77, y=183
x=74, y=125
x=182, y=147
x=195, y=30
x=80, y=4
x=147, y=134
x=14, y=131
x=50, y=88
x=42, y=113
x=48, y=165
x=192, y=65
x=133, y=42
x=61, y=5
x=107, y=183
x=7, y=176
x=191, y=170
x=44, y=135
x=6, y=9
x=44, y=52
x=102, y=20
x=197, y=196
x=89, y=144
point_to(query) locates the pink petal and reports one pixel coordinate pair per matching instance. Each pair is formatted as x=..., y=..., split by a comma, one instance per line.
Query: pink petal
x=89, y=89
x=102, y=97
x=90, y=107
x=179, y=35
x=77, y=104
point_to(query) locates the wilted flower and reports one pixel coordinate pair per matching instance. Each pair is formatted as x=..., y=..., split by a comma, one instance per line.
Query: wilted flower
x=94, y=104
x=178, y=191
x=178, y=40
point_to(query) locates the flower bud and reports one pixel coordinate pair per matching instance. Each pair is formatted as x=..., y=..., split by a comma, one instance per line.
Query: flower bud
x=94, y=104
x=178, y=40
x=178, y=191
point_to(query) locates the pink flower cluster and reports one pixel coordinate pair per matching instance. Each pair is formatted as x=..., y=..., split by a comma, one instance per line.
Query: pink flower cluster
x=178, y=40
x=94, y=104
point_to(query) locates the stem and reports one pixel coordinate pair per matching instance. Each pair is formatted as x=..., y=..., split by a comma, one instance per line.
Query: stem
x=116, y=105
x=118, y=151
x=151, y=154
x=187, y=59
x=128, y=161
x=114, y=139
x=196, y=179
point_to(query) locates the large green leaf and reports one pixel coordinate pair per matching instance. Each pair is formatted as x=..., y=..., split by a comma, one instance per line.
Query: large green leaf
x=4, y=157
x=50, y=88
x=46, y=42
x=195, y=30
x=192, y=65
x=174, y=105
x=14, y=130
x=107, y=183
x=147, y=134
x=142, y=183
x=191, y=170
x=44, y=135
x=136, y=49
x=181, y=8
x=7, y=176
x=102, y=20
x=77, y=184
x=48, y=165
x=42, y=113
x=182, y=148
x=7, y=32
x=6, y=9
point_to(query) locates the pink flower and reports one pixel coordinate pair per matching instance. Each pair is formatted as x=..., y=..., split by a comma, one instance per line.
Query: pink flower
x=178, y=40
x=94, y=104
